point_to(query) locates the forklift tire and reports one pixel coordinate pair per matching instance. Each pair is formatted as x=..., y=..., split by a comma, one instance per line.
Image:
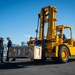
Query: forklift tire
x=63, y=54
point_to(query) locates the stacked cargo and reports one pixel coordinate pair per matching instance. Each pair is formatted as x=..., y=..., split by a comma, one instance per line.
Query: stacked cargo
x=21, y=52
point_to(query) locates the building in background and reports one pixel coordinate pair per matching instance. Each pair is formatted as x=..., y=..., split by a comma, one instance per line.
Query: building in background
x=15, y=45
x=22, y=43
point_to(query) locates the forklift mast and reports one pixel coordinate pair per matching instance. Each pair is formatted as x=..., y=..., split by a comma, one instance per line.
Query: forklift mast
x=48, y=17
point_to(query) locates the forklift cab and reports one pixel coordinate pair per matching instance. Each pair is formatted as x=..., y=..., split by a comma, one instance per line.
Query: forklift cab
x=62, y=34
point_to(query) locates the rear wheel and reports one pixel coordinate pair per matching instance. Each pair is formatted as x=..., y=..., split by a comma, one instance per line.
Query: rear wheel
x=63, y=54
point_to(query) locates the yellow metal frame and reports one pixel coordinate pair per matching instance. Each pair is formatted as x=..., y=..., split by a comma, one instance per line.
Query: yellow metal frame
x=48, y=15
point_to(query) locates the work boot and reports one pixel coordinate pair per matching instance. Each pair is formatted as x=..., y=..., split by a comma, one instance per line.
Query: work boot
x=7, y=59
x=13, y=59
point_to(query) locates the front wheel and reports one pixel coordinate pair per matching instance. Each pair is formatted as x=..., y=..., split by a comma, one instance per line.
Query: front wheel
x=63, y=54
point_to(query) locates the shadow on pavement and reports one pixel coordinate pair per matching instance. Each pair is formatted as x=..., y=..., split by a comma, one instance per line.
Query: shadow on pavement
x=12, y=65
x=25, y=64
x=71, y=60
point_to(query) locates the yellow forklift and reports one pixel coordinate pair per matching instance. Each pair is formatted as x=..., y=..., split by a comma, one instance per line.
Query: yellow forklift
x=51, y=41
